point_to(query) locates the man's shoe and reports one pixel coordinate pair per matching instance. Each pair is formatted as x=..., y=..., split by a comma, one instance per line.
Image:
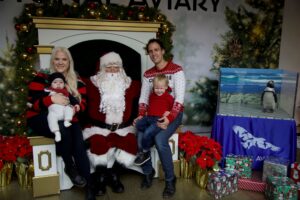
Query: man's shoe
x=142, y=157
x=147, y=181
x=116, y=184
x=170, y=189
x=76, y=179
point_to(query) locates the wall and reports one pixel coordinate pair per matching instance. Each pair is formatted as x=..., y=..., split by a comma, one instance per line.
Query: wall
x=290, y=44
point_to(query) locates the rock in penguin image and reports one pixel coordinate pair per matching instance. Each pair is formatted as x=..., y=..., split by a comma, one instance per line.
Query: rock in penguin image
x=269, y=98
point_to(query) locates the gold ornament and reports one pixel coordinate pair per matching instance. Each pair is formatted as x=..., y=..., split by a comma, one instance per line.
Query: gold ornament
x=75, y=5
x=24, y=27
x=92, y=12
x=141, y=16
x=104, y=7
x=24, y=56
x=39, y=12
x=97, y=14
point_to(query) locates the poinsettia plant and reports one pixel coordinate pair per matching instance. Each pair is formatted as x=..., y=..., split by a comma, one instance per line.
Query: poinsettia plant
x=14, y=148
x=201, y=150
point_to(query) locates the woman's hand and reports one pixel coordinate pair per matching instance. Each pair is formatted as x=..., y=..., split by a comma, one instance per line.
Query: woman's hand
x=60, y=99
x=136, y=119
x=76, y=108
x=163, y=122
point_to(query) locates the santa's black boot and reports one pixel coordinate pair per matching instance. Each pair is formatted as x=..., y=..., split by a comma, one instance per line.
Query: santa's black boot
x=90, y=192
x=114, y=181
x=99, y=180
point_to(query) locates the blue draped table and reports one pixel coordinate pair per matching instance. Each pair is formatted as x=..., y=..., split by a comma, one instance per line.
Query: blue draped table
x=256, y=137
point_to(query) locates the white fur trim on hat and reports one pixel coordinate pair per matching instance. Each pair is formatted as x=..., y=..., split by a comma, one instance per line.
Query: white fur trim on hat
x=111, y=59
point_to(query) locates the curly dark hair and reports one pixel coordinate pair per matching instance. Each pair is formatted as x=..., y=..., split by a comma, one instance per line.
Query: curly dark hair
x=154, y=40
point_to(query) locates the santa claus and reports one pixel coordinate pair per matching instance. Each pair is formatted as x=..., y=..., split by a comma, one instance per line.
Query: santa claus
x=112, y=97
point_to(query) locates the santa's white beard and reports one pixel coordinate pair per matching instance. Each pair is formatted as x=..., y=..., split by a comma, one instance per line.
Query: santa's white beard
x=112, y=87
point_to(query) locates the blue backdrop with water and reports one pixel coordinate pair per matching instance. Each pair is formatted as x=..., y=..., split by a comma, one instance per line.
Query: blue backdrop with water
x=242, y=80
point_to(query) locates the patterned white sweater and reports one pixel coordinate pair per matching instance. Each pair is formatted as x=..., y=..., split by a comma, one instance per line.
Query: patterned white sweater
x=176, y=78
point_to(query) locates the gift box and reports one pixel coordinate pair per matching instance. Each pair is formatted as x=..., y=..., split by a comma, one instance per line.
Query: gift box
x=275, y=166
x=279, y=188
x=222, y=183
x=295, y=175
x=240, y=163
x=255, y=183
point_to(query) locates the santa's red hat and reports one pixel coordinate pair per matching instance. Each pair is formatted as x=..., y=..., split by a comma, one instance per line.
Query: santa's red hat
x=111, y=59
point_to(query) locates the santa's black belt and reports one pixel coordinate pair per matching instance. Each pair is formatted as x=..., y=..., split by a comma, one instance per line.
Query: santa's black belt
x=111, y=127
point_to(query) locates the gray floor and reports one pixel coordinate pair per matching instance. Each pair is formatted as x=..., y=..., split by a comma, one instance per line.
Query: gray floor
x=186, y=190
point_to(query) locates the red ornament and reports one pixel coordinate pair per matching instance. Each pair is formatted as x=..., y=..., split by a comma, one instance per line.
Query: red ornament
x=29, y=50
x=130, y=12
x=142, y=8
x=91, y=5
x=66, y=13
x=17, y=27
x=110, y=16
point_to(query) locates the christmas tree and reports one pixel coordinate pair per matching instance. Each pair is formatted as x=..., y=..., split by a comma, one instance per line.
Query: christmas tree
x=11, y=110
x=254, y=37
x=202, y=106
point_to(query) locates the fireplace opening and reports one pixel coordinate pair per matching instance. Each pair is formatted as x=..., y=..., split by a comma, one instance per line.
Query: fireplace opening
x=86, y=57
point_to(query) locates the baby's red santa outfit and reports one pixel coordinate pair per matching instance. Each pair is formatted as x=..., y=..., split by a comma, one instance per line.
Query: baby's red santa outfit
x=111, y=98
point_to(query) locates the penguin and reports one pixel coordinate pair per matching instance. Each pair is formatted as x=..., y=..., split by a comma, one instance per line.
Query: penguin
x=269, y=98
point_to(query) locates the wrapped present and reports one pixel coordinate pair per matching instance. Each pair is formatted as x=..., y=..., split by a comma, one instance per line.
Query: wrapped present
x=243, y=164
x=255, y=183
x=295, y=175
x=281, y=188
x=275, y=166
x=222, y=183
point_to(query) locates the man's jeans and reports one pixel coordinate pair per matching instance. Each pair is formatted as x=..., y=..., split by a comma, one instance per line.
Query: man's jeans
x=161, y=142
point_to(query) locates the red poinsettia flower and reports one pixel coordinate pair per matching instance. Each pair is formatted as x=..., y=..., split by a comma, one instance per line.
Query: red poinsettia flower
x=13, y=148
x=202, y=150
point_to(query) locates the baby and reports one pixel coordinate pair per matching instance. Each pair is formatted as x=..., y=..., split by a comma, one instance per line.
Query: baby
x=57, y=112
x=160, y=104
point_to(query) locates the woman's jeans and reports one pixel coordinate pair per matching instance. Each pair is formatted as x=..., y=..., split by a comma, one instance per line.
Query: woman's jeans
x=161, y=141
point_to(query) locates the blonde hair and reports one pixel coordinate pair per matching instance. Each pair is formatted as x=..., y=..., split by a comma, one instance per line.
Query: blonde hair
x=70, y=74
x=161, y=78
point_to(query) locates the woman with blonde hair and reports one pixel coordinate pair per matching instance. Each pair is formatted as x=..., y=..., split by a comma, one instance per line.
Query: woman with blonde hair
x=71, y=147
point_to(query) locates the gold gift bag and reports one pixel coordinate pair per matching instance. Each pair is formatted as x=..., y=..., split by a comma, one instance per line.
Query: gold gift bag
x=201, y=177
x=25, y=174
x=5, y=174
x=187, y=169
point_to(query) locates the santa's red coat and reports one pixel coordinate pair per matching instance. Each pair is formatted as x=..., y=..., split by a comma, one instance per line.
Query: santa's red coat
x=100, y=143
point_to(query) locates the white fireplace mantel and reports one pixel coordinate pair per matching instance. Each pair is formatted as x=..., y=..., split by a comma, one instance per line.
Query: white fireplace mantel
x=68, y=32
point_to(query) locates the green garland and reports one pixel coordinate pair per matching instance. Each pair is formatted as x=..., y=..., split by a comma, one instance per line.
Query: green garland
x=25, y=54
